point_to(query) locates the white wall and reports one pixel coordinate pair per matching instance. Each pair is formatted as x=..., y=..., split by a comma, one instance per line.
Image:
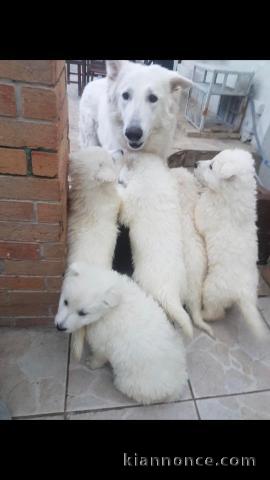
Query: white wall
x=262, y=95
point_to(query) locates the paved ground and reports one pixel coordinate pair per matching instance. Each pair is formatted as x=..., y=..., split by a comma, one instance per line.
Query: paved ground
x=229, y=378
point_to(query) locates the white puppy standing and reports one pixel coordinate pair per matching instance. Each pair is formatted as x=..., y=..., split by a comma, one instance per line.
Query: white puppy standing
x=226, y=217
x=193, y=245
x=127, y=328
x=150, y=208
x=94, y=207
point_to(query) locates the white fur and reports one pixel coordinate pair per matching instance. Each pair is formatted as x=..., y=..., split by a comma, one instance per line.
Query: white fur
x=105, y=114
x=126, y=328
x=150, y=208
x=94, y=206
x=193, y=245
x=225, y=215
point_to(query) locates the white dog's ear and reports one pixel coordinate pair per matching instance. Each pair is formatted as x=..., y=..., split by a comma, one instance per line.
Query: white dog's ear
x=178, y=81
x=113, y=68
x=111, y=298
x=240, y=163
x=228, y=171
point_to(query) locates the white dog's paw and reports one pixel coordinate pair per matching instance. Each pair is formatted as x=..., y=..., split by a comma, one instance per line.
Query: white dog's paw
x=94, y=362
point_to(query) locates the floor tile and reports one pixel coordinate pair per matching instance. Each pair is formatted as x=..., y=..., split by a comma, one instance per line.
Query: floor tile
x=253, y=406
x=45, y=417
x=235, y=362
x=33, y=365
x=264, y=306
x=169, y=411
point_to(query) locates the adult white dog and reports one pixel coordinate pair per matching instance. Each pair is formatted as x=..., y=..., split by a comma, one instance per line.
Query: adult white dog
x=94, y=207
x=225, y=215
x=126, y=328
x=135, y=107
x=150, y=208
x=193, y=245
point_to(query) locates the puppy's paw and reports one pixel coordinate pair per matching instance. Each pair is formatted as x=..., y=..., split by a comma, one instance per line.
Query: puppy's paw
x=94, y=362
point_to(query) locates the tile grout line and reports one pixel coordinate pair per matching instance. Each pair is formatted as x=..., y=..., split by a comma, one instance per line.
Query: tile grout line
x=67, y=378
x=194, y=400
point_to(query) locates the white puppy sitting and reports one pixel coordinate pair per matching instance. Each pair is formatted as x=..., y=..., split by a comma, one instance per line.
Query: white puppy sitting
x=126, y=328
x=94, y=206
x=225, y=216
x=193, y=245
x=150, y=208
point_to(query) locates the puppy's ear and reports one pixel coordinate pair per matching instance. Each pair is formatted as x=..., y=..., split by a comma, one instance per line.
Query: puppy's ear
x=228, y=171
x=73, y=270
x=111, y=298
x=113, y=68
x=178, y=81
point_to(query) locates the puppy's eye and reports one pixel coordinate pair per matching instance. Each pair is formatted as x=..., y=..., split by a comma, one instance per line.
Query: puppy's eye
x=82, y=313
x=211, y=166
x=66, y=302
x=125, y=95
x=152, y=98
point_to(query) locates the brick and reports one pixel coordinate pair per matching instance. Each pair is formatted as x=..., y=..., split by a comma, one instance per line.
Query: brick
x=45, y=164
x=39, y=103
x=35, y=267
x=19, y=133
x=19, y=251
x=7, y=100
x=4, y=298
x=49, y=212
x=29, y=232
x=28, y=188
x=54, y=250
x=53, y=283
x=45, y=72
x=22, y=283
x=22, y=211
x=24, y=322
x=33, y=298
x=13, y=161
x=24, y=310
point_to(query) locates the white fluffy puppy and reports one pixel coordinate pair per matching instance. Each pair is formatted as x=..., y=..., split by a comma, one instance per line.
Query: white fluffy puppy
x=226, y=217
x=150, y=208
x=126, y=328
x=94, y=206
x=193, y=245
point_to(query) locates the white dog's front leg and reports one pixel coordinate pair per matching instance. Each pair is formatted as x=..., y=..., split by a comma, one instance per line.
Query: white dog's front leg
x=95, y=361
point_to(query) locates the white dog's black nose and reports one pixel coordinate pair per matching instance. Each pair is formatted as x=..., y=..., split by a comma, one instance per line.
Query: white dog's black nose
x=60, y=328
x=134, y=133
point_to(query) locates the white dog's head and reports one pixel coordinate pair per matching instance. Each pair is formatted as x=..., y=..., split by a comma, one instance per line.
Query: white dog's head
x=87, y=295
x=227, y=166
x=97, y=164
x=143, y=99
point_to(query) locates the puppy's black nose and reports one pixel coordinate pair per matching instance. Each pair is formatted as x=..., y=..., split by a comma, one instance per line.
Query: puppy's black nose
x=61, y=329
x=195, y=164
x=134, y=133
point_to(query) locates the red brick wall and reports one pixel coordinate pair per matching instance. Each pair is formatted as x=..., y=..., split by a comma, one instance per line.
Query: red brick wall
x=34, y=150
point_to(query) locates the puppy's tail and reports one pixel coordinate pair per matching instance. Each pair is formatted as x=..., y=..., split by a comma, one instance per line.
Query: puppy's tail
x=176, y=311
x=200, y=323
x=252, y=316
x=77, y=343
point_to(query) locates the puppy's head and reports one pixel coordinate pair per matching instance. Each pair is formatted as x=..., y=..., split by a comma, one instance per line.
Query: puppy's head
x=227, y=166
x=96, y=164
x=87, y=295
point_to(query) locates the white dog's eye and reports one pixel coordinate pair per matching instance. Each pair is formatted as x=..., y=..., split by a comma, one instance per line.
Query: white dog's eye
x=125, y=95
x=152, y=98
x=66, y=302
x=82, y=313
x=211, y=166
